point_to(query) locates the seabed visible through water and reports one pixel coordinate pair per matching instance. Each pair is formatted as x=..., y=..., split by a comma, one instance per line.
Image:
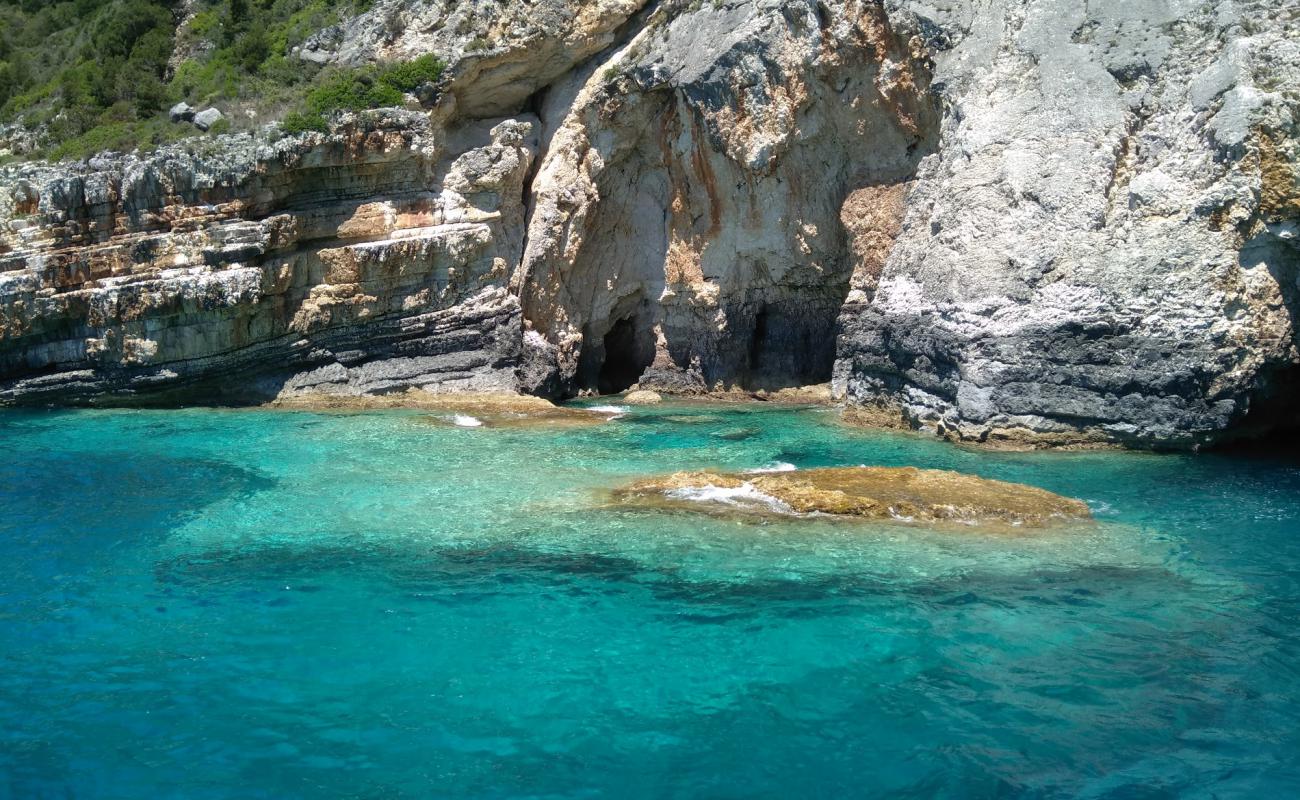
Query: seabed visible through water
x=284, y=604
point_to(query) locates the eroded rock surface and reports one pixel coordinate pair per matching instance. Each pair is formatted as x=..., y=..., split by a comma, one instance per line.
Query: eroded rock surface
x=1104, y=246
x=372, y=260
x=901, y=494
x=1010, y=221
x=688, y=209
x=500, y=53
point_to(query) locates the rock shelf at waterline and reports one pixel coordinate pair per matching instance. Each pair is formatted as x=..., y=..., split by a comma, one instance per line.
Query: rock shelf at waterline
x=461, y=409
x=900, y=494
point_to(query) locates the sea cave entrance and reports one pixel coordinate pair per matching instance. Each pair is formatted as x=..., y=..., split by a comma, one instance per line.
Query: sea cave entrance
x=616, y=362
x=1272, y=422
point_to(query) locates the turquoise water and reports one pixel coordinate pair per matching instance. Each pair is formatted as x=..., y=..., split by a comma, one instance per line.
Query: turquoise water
x=252, y=604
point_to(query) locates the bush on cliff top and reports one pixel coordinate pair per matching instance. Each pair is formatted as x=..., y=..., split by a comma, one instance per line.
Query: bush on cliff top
x=360, y=89
x=98, y=74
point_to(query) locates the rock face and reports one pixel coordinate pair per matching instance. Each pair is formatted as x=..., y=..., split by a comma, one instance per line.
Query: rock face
x=371, y=261
x=899, y=494
x=1026, y=221
x=687, y=231
x=500, y=53
x=1104, y=246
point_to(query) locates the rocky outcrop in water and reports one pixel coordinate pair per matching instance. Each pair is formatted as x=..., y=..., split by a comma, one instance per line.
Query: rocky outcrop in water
x=896, y=494
x=1018, y=222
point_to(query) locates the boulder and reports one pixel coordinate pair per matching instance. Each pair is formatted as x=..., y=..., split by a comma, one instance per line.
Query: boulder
x=642, y=397
x=427, y=93
x=181, y=112
x=205, y=119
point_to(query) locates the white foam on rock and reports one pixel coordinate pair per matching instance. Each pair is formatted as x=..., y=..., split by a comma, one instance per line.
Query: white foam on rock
x=608, y=409
x=743, y=496
x=466, y=421
x=775, y=466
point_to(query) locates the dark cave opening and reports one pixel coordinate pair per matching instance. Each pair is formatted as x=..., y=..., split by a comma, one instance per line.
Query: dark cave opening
x=1271, y=423
x=626, y=355
x=789, y=344
x=757, y=342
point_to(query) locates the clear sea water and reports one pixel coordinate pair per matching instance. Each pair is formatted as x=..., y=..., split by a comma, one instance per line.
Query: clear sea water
x=254, y=604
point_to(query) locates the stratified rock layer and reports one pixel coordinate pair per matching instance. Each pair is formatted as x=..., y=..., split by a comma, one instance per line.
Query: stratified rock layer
x=1020, y=222
x=901, y=494
x=371, y=261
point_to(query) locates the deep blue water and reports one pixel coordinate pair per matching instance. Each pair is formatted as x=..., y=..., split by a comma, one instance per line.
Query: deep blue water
x=253, y=604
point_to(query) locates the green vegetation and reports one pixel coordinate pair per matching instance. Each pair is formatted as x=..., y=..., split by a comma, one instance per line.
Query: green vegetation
x=360, y=89
x=79, y=65
x=98, y=74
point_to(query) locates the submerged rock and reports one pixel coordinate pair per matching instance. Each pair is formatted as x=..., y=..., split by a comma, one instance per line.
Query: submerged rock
x=737, y=434
x=496, y=402
x=903, y=494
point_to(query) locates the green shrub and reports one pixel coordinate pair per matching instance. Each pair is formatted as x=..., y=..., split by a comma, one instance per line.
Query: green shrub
x=118, y=136
x=299, y=122
x=371, y=87
x=349, y=90
x=253, y=48
x=94, y=73
x=409, y=75
x=205, y=24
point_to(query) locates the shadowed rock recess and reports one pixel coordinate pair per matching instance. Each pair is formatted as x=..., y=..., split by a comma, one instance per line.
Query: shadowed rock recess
x=1012, y=222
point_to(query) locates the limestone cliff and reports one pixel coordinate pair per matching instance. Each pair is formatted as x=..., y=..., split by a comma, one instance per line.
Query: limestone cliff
x=1041, y=221
x=686, y=230
x=371, y=260
x=1104, y=245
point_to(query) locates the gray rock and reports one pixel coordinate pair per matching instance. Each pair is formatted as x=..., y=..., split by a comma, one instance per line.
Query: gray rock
x=316, y=56
x=181, y=112
x=204, y=120
x=428, y=94
x=1008, y=220
x=1092, y=254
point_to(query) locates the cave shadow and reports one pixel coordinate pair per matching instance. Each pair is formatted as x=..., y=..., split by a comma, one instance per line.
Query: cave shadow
x=614, y=361
x=1271, y=424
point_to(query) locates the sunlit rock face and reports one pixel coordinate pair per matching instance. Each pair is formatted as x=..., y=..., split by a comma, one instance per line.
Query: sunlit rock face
x=688, y=216
x=1018, y=222
x=1104, y=245
x=371, y=261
